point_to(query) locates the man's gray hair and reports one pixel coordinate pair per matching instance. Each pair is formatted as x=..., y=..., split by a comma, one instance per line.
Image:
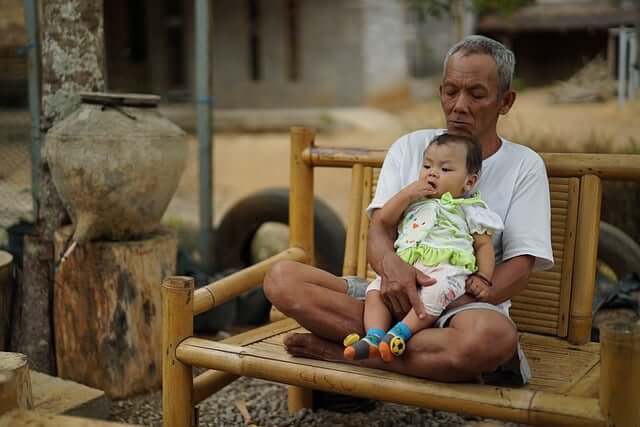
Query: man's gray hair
x=504, y=58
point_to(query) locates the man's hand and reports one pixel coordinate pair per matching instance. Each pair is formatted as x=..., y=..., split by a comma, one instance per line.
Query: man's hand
x=478, y=288
x=399, y=287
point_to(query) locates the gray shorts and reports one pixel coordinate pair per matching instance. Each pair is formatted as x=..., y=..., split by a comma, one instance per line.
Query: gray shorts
x=515, y=372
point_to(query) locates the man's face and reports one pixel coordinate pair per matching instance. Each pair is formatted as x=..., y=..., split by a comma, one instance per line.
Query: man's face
x=469, y=96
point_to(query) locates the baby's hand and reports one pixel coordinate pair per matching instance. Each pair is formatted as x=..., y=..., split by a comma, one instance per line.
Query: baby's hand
x=419, y=189
x=478, y=288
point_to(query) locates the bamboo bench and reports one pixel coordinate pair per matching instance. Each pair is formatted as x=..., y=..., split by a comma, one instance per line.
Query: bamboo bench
x=553, y=314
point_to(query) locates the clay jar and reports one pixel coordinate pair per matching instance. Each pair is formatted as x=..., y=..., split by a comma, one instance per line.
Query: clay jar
x=116, y=163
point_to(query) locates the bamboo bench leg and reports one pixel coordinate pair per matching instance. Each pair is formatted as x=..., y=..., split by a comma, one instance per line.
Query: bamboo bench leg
x=177, y=324
x=299, y=398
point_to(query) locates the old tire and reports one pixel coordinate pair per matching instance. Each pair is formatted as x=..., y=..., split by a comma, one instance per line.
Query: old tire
x=239, y=225
x=617, y=250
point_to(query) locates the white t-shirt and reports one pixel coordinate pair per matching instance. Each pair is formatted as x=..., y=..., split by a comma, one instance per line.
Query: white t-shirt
x=513, y=182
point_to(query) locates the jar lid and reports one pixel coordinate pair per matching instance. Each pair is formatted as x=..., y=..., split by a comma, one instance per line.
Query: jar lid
x=123, y=99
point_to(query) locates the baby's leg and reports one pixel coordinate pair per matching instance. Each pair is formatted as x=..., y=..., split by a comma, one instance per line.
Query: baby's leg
x=376, y=320
x=449, y=286
x=395, y=341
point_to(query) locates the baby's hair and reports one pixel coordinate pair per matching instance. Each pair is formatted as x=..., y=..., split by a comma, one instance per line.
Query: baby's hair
x=474, y=152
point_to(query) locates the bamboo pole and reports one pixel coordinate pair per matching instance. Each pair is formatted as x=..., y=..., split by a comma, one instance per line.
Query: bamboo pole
x=177, y=324
x=343, y=157
x=606, y=166
x=209, y=382
x=518, y=405
x=299, y=398
x=567, y=261
x=233, y=285
x=584, y=266
x=301, y=227
x=350, y=263
x=367, y=182
x=301, y=192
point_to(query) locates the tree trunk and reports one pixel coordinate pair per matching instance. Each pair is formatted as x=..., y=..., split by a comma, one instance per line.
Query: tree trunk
x=15, y=383
x=107, y=311
x=6, y=297
x=31, y=330
x=72, y=47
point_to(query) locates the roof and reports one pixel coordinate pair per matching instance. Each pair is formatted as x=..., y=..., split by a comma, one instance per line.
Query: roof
x=562, y=16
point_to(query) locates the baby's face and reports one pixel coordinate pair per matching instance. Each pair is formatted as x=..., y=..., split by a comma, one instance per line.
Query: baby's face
x=445, y=169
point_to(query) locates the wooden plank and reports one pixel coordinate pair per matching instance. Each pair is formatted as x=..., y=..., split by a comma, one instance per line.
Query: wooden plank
x=515, y=304
x=561, y=188
x=53, y=395
x=559, y=218
x=544, y=284
x=528, y=293
x=37, y=419
x=528, y=327
x=533, y=315
x=541, y=341
x=588, y=385
x=263, y=332
x=555, y=203
x=550, y=275
x=278, y=339
x=535, y=322
x=556, y=180
x=522, y=299
x=558, y=211
x=559, y=195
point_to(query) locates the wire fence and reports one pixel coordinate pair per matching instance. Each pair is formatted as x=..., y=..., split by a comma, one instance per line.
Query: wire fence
x=16, y=204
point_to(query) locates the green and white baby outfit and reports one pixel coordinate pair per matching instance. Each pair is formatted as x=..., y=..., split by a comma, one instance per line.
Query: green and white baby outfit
x=434, y=236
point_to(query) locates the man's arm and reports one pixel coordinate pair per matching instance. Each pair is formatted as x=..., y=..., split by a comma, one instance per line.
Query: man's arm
x=510, y=278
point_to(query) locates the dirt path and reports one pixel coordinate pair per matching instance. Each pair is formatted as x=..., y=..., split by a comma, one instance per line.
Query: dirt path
x=245, y=163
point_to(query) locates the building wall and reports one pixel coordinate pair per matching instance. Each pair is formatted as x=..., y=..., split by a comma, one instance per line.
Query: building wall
x=384, y=50
x=331, y=70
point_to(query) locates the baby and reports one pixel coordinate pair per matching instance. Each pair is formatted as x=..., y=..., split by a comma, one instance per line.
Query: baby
x=442, y=233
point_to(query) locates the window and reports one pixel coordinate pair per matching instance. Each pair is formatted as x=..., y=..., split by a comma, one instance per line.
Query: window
x=292, y=42
x=255, y=66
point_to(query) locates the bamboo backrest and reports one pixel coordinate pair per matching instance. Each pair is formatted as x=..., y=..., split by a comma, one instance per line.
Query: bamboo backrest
x=545, y=306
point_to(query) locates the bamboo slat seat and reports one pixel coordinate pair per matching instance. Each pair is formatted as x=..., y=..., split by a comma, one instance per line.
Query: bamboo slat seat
x=553, y=314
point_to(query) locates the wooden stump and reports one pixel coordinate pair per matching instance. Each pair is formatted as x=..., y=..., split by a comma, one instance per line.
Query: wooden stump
x=107, y=311
x=15, y=383
x=6, y=297
x=32, y=333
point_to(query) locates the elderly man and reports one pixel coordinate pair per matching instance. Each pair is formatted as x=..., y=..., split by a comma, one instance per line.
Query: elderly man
x=472, y=338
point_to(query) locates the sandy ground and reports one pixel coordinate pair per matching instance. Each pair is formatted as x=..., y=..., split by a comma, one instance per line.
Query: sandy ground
x=245, y=163
x=248, y=162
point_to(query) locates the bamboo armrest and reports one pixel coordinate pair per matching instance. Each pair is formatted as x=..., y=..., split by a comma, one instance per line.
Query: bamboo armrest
x=223, y=290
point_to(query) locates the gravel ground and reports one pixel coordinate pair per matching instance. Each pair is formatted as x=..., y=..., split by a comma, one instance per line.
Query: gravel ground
x=266, y=403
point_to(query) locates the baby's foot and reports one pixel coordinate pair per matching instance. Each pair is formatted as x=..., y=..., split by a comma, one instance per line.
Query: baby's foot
x=391, y=346
x=365, y=348
x=394, y=342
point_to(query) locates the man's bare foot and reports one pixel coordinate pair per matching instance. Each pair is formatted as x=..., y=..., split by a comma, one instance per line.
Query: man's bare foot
x=313, y=347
